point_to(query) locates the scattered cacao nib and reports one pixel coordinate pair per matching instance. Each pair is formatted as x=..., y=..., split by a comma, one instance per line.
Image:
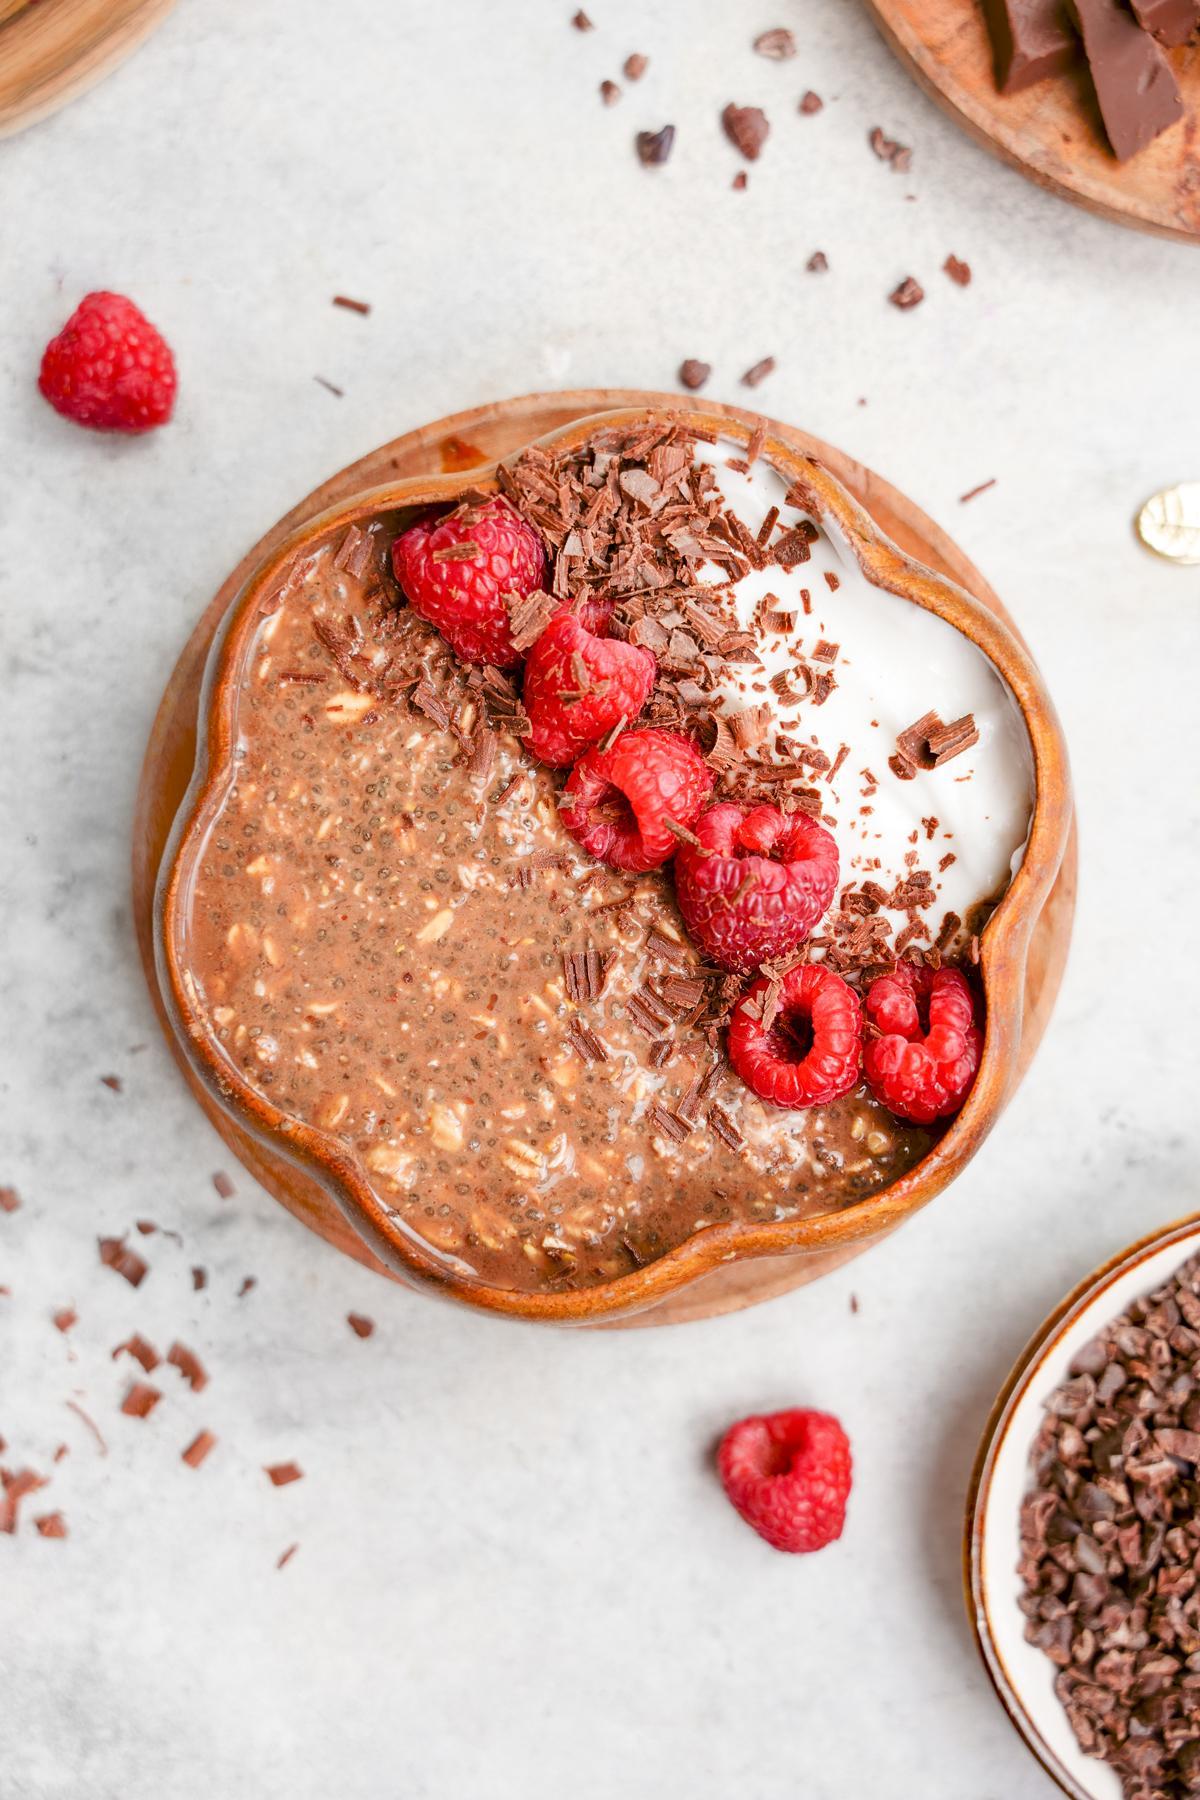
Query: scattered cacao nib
x=198, y=1449
x=15, y=1486
x=777, y=45
x=223, y=1185
x=635, y=66
x=360, y=1325
x=141, y=1351
x=610, y=93
x=286, y=1556
x=957, y=270
x=746, y=128
x=357, y=306
x=910, y=293
x=51, y=1525
x=1109, y=1540
x=116, y=1256
x=113, y=1082
x=654, y=147
x=810, y=103
x=973, y=493
x=280, y=1474
x=817, y=263
x=888, y=151
x=65, y=1317
x=581, y=22
x=758, y=372
x=189, y=1366
x=141, y=1400
x=90, y=1423
x=693, y=374
x=10, y=1200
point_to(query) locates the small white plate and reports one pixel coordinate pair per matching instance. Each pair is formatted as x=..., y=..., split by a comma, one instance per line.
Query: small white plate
x=1023, y=1675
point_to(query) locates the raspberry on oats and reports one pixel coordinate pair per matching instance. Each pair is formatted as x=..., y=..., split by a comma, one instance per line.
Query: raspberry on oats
x=788, y=1474
x=922, y=1058
x=578, y=686
x=457, y=570
x=756, y=884
x=796, y=1039
x=621, y=803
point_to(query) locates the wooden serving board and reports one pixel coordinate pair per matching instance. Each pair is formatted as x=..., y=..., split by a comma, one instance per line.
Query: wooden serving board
x=462, y=441
x=1052, y=132
x=51, y=50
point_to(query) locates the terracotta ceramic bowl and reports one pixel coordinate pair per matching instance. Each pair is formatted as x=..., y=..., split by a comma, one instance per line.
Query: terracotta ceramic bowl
x=1021, y=1674
x=1023, y=949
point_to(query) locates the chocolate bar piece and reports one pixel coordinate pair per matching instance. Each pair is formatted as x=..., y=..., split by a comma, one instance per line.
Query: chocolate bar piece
x=1030, y=40
x=1138, y=93
x=1172, y=22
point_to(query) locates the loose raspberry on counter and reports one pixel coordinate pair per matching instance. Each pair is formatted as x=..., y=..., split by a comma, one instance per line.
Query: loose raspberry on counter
x=805, y=1050
x=620, y=803
x=457, y=570
x=789, y=1475
x=109, y=368
x=578, y=686
x=757, y=883
x=923, y=1060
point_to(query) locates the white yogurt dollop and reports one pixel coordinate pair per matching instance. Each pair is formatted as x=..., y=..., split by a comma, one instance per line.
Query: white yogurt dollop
x=895, y=662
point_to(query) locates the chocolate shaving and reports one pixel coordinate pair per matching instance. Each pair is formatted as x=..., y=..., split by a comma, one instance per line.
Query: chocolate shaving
x=198, y=1449
x=959, y=272
x=584, y=1040
x=777, y=45
x=141, y=1351
x=723, y=1127
x=10, y=1200
x=125, y=1262
x=357, y=306
x=669, y=1123
x=189, y=1366
x=654, y=147
x=693, y=374
x=746, y=128
x=528, y=616
x=280, y=1474
x=810, y=103
x=141, y=1400
x=910, y=293
x=758, y=372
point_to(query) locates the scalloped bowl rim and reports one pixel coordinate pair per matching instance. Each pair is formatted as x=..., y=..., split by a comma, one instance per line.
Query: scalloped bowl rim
x=1004, y=943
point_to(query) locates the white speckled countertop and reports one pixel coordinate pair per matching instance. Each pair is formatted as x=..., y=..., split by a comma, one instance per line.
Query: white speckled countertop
x=517, y=1574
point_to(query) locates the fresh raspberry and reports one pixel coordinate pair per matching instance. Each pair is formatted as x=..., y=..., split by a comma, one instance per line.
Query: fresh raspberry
x=463, y=596
x=922, y=1063
x=757, y=884
x=788, y=1474
x=108, y=368
x=578, y=686
x=809, y=1053
x=617, y=802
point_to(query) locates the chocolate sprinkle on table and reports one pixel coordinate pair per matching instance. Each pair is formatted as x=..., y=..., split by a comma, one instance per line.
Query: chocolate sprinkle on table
x=654, y=147
x=636, y=66
x=693, y=374
x=810, y=103
x=973, y=493
x=958, y=271
x=746, y=128
x=358, y=306
x=910, y=293
x=758, y=372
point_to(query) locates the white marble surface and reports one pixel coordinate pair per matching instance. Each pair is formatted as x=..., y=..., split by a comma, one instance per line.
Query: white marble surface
x=517, y=1575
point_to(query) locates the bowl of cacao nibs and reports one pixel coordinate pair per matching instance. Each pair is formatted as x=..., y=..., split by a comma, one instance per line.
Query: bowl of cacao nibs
x=1083, y=1530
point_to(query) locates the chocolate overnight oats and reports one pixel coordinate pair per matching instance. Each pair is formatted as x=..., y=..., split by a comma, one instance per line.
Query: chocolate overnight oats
x=637, y=896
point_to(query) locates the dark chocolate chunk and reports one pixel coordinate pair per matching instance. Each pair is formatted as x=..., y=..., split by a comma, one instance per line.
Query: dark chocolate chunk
x=1135, y=85
x=1031, y=39
x=1172, y=22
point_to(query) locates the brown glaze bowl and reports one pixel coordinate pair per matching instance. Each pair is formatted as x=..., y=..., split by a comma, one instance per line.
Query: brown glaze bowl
x=723, y=1266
